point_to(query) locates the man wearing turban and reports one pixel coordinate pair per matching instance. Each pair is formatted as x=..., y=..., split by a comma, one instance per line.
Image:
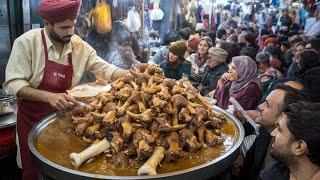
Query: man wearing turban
x=43, y=64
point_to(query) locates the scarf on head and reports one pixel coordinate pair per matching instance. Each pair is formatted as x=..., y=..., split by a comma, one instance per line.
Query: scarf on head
x=247, y=72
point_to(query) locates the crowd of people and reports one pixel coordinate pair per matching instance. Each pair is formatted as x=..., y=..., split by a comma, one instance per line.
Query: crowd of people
x=273, y=73
x=268, y=60
x=272, y=69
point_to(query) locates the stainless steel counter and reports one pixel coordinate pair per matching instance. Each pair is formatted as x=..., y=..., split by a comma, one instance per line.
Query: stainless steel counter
x=9, y=120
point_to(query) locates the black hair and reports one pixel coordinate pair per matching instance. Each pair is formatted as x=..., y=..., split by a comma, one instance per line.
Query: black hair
x=303, y=124
x=220, y=33
x=212, y=35
x=185, y=33
x=292, y=95
x=315, y=43
x=274, y=51
x=300, y=43
x=250, y=38
x=309, y=59
x=232, y=49
x=295, y=40
x=120, y=33
x=250, y=30
x=265, y=32
x=263, y=58
x=286, y=44
x=170, y=37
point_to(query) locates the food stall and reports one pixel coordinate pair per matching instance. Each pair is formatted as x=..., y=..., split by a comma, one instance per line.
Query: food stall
x=139, y=127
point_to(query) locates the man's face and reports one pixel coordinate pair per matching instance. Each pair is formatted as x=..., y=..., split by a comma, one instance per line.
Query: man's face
x=282, y=145
x=283, y=48
x=224, y=36
x=62, y=32
x=269, y=111
x=299, y=50
x=127, y=52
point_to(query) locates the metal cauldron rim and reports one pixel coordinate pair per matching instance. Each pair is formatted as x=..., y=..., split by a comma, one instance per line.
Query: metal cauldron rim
x=33, y=135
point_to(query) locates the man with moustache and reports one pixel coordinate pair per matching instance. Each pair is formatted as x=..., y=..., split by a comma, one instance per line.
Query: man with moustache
x=43, y=64
x=122, y=55
x=296, y=145
x=256, y=147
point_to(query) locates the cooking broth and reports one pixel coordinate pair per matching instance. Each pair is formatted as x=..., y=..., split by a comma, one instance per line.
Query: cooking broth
x=56, y=143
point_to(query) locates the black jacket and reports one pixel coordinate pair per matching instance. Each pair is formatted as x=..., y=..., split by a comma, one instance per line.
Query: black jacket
x=255, y=156
x=275, y=170
x=311, y=81
x=210, y=78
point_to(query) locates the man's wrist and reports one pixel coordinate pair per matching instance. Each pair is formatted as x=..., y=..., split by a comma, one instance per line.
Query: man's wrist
x=46, y=96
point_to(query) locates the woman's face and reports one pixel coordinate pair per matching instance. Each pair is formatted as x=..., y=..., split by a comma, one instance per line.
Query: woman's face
x=263, y=68
x=212, y=63
x=172, y=57
x=233, y=72
x=203, y=47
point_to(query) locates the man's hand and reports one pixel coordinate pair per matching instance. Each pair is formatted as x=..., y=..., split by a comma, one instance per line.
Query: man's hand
x=60, y=101
x=119, y=73
x=140, y=67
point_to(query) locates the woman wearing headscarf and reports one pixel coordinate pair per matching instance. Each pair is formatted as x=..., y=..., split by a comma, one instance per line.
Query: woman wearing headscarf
x=176, y=65
x=199, y=60
x=212, y=73
x=241, y=83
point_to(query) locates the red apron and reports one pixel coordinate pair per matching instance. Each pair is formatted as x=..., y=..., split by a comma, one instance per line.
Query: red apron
x=57, y=78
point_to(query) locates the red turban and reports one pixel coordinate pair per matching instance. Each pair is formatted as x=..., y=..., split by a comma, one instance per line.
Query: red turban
x=55, y=11
x=271, y=40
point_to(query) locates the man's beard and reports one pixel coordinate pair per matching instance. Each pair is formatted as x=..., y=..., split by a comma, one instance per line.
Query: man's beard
x=56, y=37
x=127, y=56
x=285, y=157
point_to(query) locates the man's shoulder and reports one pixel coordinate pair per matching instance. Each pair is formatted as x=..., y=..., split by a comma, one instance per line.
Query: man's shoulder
x=29, y=35
x=78, y=42
x=275, y=170
x=76, y=39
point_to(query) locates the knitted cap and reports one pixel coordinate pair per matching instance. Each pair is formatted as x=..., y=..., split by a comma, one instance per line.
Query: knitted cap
x=178, y=48
x=193, y=42
x=218, y=54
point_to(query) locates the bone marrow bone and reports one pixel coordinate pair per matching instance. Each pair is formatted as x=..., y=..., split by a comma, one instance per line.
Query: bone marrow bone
x=150, y=167
x=78, y=158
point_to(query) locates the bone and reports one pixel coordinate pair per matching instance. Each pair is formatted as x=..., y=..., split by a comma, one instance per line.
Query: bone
x=150, y=167
x=78, y=158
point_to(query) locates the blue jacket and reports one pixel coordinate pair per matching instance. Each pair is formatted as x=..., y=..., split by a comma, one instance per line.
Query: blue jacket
x=210, y=78
x=184, y=68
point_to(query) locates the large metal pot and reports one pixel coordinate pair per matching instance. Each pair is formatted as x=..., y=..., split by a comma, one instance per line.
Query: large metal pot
x=204, y=171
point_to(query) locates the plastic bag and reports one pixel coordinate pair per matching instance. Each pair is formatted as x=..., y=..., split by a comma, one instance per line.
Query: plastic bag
x=101, y=17
x=134, y=21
